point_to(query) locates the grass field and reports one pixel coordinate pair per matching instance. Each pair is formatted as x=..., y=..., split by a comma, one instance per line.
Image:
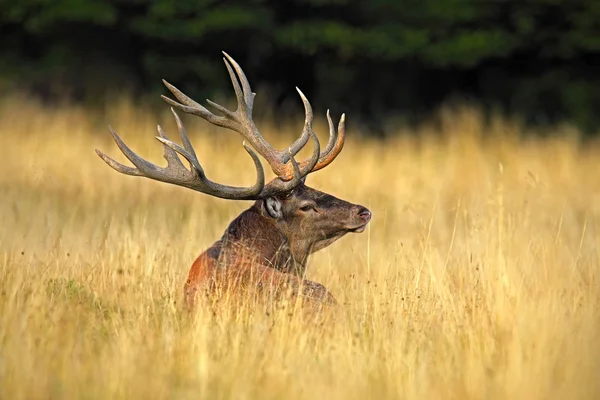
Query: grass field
x=477, y=279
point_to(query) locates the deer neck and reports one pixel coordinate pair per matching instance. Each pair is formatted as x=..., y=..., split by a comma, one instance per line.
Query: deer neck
x=257, y=238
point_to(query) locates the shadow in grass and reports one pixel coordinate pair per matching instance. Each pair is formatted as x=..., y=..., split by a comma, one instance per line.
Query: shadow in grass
x=85, y=303
x=76, y=294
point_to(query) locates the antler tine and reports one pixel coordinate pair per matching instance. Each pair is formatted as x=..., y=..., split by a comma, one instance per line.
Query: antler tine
x=335, y=144
x=189, y=106
x=308, y=131
x=117, y=166
x=333, y=148
x=143, y=167
x=301, y=141
x=186, y=141
x=169, y=154
x=332, y=135
x=176, y=173
x=331, y=151
x=248, y=95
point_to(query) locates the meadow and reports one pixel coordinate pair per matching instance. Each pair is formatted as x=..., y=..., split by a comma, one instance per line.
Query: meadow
x=476, y=279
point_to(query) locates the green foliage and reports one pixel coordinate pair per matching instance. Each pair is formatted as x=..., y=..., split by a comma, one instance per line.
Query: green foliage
x=428, y=50
x=194, y=20
x=39, y=16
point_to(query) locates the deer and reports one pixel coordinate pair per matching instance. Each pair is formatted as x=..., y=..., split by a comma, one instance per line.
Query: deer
x=266, y=248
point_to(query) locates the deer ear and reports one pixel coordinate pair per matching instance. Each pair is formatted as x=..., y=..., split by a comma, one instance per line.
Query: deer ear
x=303, y=179
x=273, y=207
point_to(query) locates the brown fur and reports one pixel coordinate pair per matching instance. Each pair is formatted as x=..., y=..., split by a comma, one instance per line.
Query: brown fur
x=259, y=251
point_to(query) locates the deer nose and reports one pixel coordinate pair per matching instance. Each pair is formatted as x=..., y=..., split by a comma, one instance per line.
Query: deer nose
x=365, y=214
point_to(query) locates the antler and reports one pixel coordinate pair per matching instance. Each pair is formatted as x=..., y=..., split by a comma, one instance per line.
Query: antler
x=289, y=172
x=177, y=174
x=241, y=121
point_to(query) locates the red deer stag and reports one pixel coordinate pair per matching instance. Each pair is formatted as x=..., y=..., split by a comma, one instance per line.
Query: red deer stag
x=266, y=246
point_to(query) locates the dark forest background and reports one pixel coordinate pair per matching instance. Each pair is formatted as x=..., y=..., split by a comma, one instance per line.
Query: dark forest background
x=376, y=59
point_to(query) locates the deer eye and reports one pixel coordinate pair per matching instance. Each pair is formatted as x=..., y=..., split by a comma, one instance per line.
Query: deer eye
x=308, y=207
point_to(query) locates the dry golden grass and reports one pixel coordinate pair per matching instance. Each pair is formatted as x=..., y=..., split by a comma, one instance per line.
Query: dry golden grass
x=477, y=279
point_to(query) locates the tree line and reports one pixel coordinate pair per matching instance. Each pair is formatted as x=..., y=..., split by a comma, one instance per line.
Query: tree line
x=375, y=59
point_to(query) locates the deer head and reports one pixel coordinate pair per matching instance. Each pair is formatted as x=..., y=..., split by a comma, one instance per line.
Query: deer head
x=311, y=219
